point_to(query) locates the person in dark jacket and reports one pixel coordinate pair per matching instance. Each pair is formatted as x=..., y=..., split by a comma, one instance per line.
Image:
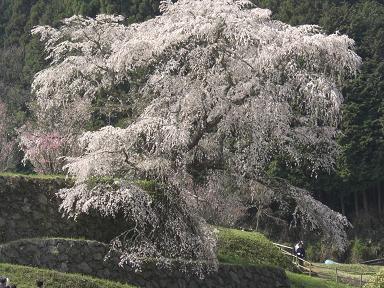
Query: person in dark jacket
x=2, y=282
x=300, y=251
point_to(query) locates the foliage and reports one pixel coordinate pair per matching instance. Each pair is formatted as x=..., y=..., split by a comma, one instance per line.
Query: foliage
x=363, y=114
x=313, y=252
x=249, y=248
x=222, y=96
x=359, y=168
x=7, y=142
x=359, y=251
x=377, y=281
x=22, y=55
x=45, y=150
x=35, y=176
x=25, y=277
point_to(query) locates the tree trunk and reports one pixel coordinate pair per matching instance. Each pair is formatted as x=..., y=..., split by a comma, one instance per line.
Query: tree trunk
x=320, y=195
x=379, y=208
x=258, y=214
x=365, y=201
x=356, y=203
x=342, y=203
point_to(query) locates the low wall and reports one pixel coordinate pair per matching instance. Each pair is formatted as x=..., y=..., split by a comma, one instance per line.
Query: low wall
x=87, y=257
x=29, y=209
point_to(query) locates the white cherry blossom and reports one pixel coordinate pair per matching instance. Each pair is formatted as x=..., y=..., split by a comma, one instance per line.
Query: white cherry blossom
x=226, y=90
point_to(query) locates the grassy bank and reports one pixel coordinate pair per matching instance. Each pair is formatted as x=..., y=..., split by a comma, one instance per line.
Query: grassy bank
x=304, y=281
x=33, y=176
x=249, y=248
x=25, y=277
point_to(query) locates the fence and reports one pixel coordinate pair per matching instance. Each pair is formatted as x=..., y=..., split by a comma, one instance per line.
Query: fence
x=337, y=274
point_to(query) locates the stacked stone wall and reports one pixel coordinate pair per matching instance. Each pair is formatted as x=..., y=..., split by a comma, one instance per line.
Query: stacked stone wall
x=29, y=208
x=87, y=257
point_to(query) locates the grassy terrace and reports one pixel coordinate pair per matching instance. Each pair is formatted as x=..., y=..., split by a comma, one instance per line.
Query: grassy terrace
x=347, y=273
x=304, y=281
x=33, y=176
x=25, y=277
x=355, y=269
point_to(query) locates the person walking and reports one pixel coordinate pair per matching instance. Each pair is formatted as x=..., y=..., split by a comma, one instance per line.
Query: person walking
x=3, y=282
x=300, y=252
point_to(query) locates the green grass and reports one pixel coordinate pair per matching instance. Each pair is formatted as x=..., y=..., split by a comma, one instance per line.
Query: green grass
x=348, y=273
x=249, y=248
x=353, y=268
x=25, y=277
x=40, y=239
x=33, y=176
x=235, y=247
x=304, y=281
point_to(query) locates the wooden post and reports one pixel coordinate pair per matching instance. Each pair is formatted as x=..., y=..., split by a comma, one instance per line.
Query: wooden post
x=310, y=269
x=379, y=197
x=361, y=280
x=365, y=200
x=337, y=279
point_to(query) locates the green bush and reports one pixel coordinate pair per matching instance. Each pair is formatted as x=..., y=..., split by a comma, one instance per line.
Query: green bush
x=249, y=248
x=313, y=252
x=320, y=251
x=359, y=251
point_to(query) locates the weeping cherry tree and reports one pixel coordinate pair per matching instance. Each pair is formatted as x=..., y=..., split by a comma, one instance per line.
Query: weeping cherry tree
x=226, y=90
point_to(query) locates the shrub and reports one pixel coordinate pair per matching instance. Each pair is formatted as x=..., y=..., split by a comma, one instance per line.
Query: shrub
x=249, y=248
x=359, y=251
x=376, y=281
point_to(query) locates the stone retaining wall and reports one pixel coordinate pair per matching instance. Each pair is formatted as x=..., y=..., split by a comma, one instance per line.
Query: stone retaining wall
x=87, y=257
x=29, y=209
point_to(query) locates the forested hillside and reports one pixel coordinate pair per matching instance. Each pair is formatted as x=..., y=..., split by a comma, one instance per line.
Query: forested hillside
x=356, y=186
